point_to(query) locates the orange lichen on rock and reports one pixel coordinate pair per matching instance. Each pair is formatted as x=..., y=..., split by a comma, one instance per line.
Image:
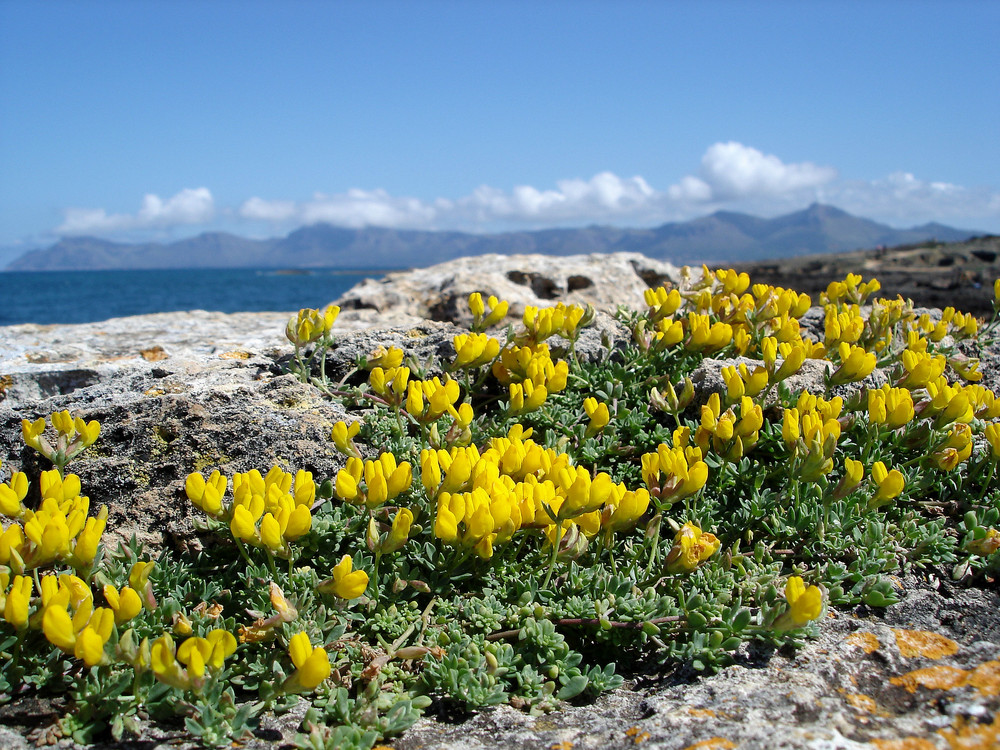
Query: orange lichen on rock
x=941, y=677
x=904, y=743
x=864, y=640
x=971, y=735
x=861, y=702
x=986, y=678
x=713, y=743
x=924, y=643
x=638, y=736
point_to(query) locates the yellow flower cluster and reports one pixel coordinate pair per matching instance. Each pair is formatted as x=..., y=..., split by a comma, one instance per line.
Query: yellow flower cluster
x=474, y=350
x=373, y=483
x=483, y=498
x=59, y=531
x=309, y=326
x=718, y=311
x=851, y=290
x=811, y=430
x=64, y=611
x=283, y=511
x=729, y=434
x=530, y=375
x=483, y=319
x=561, y=319
x=73, y=436
x=197, y=654
x=673, y=473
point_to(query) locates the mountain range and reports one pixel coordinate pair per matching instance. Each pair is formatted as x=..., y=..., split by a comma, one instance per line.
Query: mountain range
x=721, y=236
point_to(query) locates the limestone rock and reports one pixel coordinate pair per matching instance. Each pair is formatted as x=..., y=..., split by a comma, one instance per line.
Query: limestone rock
x=441, y=292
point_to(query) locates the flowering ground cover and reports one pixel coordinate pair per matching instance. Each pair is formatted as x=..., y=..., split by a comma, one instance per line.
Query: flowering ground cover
x=515, y=523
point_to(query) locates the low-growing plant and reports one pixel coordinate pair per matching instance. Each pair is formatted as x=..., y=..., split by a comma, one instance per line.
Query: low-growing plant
x=518, y=524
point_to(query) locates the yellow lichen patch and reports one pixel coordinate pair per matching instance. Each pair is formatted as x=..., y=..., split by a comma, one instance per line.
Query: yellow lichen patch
x=924, y=643
x=153, y=392
x=237, y=354
x=864, y=640
x=861, y=702
x=153, y=353
x=904, y=743
x=713, y=743
x=941, y=677
x=968, y=735
x=986, y=678
x=565, y=745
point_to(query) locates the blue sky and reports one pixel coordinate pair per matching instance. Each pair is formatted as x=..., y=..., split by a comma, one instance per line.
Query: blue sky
x=155, y=120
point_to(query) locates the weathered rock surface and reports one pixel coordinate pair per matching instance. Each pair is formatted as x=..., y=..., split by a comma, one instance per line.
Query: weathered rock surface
x=180, y=392
x=440, y=292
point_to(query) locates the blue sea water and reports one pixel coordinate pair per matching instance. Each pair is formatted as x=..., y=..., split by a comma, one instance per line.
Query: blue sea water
x=88, y=296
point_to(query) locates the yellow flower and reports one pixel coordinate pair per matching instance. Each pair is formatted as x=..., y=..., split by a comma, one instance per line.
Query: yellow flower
x=400, y=531
x=692, y=547
x=312, y=665
x=599, y=415
x=87, y=540
x=15, y=606
x=855, y=364
x=992, y=434
x=986, y=545
x=84, y=635
x=206, y=495
x=526, y=397
x=32, y=432
x=211, y=651
x=804, y=605
x=125, y=603
x=474, y=350
x=625, y=509
x=385, y=358
x=343, y=435
x=346, y=583
x=12, y=493
x=138, y=579
x=854, y=472
x=888, y=484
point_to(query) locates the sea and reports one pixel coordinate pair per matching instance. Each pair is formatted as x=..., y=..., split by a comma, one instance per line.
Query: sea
x=88, y=296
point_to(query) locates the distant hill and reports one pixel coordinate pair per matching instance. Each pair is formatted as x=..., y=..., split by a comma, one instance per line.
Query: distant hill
x=721, y=237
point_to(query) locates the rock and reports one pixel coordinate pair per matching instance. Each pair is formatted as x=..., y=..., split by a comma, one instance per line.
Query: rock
x=441, y=292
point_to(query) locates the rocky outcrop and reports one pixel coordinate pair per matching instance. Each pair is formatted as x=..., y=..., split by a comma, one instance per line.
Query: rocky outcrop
x=441, y=292
x=932, y=274
x=180, y=392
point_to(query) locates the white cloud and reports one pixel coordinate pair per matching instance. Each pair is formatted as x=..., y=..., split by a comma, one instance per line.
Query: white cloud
x=731, y=171
x=731, y=176
x=190, y=206
x=903, y=198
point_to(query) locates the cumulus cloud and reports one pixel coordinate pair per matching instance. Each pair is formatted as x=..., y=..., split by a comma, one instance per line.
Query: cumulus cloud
x=190, y=206
x=731, y=171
